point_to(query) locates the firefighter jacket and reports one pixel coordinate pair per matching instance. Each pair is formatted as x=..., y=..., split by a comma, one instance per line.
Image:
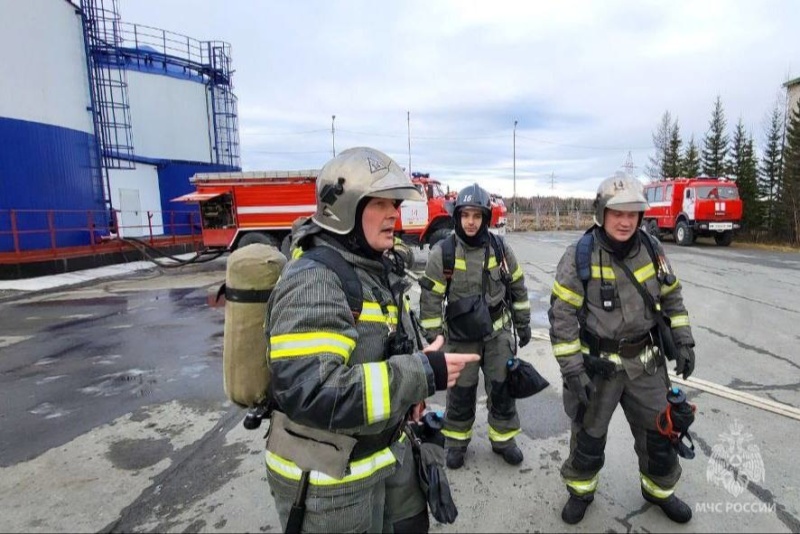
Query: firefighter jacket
x=331, y=372
x=631, y=317
x=467, y=280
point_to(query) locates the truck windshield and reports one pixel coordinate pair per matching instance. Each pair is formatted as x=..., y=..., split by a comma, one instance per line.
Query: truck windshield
x=717, y=192
x=437, y=191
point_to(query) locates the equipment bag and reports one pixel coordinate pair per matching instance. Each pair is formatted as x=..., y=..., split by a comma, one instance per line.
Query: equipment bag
x=252, y=273
x=468, y=318
x=523, y=380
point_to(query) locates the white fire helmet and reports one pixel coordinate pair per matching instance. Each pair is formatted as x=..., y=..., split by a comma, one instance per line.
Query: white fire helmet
x=620, y=192
x=355, y=174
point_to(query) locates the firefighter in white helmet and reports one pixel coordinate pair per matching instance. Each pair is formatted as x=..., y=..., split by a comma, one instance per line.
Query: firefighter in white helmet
x=343, y=385
x=606, y=339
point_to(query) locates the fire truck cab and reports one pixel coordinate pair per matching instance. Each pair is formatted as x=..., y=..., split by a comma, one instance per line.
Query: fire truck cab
x=689, y=208
x=425, y=222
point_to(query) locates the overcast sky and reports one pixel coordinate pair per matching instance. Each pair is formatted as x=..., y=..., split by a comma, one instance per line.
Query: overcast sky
x=587, y=81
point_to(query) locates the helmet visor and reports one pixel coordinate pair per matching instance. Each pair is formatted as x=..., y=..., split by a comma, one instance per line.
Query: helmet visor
x=395, y=186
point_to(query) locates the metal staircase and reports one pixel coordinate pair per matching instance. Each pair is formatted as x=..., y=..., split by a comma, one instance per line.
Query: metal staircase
x=108, y=84
x=223, y=107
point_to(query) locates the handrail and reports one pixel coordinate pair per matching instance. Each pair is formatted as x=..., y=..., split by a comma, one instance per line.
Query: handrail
x=170, y=46
x=26, y=233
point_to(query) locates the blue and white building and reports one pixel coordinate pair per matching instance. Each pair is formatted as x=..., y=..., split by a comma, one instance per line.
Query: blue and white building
x=103, y=122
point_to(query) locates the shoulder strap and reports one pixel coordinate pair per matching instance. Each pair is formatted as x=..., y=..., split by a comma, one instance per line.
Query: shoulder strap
x=448, y=256
x=334, y=261
x=648, y=298
x=583, y=258
x=448, y=260
x=647, y=239
x=499, y=249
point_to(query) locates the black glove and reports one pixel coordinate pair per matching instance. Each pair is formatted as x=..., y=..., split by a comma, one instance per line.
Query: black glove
x=581, y=386
x=685, y=362
x=524, y=334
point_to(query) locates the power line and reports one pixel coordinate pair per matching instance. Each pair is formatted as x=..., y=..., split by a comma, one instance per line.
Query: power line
x=305, y=132
x=454, y=138
x=259, y=151
x=427, y=137
x=586, y=147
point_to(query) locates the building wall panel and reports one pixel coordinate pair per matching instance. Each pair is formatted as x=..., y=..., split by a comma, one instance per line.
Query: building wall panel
x=169, y=117
x=44, y=167
x=44, y=65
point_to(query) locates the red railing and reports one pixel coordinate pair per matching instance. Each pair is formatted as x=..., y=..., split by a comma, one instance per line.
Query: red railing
x=34, y=235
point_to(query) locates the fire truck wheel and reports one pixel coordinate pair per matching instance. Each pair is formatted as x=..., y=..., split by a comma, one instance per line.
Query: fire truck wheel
x=683, y=234
x=723, y=239
x=257, y=237
x=438, y=235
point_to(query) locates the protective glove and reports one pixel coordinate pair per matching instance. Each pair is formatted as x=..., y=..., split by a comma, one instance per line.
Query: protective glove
x=581, y=386
x=685, y=362
x=524, y=334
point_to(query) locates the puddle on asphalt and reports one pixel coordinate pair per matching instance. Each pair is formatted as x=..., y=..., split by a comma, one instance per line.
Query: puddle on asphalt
x=48, y=379
x=135, y=454
x=111, y=300
x=49, y=411
x=136, y=382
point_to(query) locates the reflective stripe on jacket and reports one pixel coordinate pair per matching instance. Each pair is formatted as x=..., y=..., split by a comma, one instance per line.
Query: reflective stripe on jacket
x=467, y=281
x=630, y=318
x=330, y=372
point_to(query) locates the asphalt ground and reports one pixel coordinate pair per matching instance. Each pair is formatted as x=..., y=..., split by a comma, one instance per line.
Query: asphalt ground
x=113, y=417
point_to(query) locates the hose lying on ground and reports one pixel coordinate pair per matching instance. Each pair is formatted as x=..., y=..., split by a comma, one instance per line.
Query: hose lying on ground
x=157, y=256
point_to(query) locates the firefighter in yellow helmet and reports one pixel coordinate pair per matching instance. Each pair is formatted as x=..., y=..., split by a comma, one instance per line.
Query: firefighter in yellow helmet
x=606, y=339
x=344, y=385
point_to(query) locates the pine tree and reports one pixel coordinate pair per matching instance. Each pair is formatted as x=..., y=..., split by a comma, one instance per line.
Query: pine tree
x=672, y=160
x=790, y=187
x=661, y=137
x=690, y=163
x=770, y=171
x=742, y=164
x=715, y=144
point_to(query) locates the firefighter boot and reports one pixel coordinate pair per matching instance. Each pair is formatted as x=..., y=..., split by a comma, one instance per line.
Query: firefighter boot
x=455, y=457
x=673, y=507
x=512, y=455
x=575, y=508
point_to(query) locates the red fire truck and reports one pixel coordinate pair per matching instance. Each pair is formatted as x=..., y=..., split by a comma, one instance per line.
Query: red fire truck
x=689, y=208
x=240, y=208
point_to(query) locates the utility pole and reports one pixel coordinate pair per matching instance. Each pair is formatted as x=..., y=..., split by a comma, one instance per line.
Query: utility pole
x=514, y=201
x=408, y=119
x=552, y=180
x=333, y=135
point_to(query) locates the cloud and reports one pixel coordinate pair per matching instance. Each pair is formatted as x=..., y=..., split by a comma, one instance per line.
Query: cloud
x=587, y=82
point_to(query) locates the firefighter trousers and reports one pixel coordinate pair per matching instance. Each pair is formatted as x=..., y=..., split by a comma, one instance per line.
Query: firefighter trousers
x=641, y=399
x=462, y=398
x=391, y=504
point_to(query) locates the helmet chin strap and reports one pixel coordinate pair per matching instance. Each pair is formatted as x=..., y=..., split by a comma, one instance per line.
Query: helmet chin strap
x=356, y=241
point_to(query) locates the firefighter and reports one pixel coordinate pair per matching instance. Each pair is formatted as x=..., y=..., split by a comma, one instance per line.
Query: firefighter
x=344, y=386
x=606, y=341
x=479, y=317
